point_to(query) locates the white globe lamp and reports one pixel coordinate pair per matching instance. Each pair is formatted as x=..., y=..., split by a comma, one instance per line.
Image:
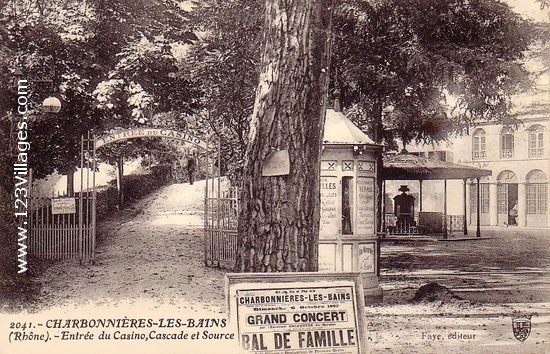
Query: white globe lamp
x=51, y=105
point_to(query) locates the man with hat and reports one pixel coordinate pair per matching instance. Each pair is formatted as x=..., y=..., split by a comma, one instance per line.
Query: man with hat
x=404, y=208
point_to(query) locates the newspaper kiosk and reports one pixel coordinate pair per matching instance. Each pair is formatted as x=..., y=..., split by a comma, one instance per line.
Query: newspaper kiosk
x=347, y=236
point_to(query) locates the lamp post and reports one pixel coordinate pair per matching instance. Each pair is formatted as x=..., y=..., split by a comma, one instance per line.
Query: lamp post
x=50, y=104
x=20, y=85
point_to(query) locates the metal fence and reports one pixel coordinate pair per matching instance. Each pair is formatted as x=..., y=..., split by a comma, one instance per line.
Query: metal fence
x=61, y=236
x=63, y=227
x=455, y=223
x=220, y=225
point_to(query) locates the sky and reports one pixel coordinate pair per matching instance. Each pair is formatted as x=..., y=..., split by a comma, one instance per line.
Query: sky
x=531, y=9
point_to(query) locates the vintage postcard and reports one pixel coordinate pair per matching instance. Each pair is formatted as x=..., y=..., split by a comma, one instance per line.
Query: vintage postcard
x=125, y=132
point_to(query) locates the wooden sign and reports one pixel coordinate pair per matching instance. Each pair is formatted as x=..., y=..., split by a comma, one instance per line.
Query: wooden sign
x=276, y=164
x=297, y=312
x=63, y=206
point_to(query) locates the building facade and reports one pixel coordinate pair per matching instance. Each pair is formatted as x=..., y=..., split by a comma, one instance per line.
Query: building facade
x=519, y=156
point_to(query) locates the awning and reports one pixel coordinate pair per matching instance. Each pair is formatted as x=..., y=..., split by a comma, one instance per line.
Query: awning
x=412, y=167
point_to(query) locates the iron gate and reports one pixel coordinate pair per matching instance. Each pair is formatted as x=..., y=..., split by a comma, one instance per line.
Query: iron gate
x=64, y=226
x=221, y=210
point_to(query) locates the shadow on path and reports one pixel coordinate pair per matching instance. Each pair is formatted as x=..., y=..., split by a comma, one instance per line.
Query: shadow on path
x=152, y=251
x=513, y=266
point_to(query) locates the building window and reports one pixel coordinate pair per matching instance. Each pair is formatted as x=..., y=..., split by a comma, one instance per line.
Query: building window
x=507, y=176
x=502, y=199
x=478, y=144
x=536, y=141
x=537, y=192
x=483, y=198
x=506, y=143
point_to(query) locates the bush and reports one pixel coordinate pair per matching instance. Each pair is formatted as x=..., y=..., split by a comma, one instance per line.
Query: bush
x=135, y=186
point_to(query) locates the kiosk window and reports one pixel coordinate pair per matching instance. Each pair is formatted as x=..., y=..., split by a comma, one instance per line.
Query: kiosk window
x=346, y=205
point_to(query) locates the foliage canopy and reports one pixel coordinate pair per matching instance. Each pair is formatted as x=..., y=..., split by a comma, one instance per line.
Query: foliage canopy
x=410, y=71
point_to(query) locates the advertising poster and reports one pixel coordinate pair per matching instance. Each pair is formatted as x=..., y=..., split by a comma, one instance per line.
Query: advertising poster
x=297, y=313
x=310, y=320
x=129, y=128
x=331, y=218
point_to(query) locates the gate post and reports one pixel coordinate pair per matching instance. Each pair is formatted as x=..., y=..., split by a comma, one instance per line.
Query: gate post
x=94, y=197
x=87, y=198
x=80, y=202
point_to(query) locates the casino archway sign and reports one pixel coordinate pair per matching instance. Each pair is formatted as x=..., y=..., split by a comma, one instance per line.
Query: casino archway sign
x=119, y=135
x=64, y=227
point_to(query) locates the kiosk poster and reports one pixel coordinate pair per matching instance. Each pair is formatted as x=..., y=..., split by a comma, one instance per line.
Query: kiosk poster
x=331, y=218
x=143, y=113
x=365, y=206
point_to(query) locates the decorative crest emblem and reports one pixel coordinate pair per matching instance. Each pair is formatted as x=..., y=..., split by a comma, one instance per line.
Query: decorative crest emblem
x=521, y=327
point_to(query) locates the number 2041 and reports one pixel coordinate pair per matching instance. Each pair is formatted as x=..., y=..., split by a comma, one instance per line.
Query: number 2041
x=20, y=325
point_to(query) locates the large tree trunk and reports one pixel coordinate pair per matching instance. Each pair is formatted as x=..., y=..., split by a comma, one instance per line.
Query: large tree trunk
x=279, y=216
x=379, y=139
x=70, y=181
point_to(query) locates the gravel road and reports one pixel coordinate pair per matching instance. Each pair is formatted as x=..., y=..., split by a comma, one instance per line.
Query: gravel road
x=154, y=252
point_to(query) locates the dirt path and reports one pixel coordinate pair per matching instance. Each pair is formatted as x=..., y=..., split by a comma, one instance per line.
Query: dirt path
x=509, y=266
x=153, y=251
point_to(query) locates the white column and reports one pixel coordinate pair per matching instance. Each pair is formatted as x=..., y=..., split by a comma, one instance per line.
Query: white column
x=469, y=211
x=493, y=204
x=445, y=233
x=522, y=204
x=464, y=207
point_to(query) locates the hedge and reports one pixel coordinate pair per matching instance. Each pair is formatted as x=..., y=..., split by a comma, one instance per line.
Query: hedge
x=136, y=187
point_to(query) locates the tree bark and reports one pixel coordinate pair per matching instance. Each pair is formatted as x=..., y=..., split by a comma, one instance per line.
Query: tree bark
x=70, y=181
x=379, y=139
x=279, y=217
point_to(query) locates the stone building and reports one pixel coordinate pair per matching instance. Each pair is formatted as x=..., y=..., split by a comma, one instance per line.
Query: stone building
x=517, y=192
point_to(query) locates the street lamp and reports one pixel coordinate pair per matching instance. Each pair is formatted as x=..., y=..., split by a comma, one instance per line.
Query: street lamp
x=51, y=105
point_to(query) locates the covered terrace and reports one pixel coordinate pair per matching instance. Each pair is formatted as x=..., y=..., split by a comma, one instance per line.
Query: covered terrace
x=405, y=167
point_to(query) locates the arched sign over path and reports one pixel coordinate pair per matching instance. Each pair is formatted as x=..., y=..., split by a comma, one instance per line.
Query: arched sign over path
x=151, y=133
x=65, y=227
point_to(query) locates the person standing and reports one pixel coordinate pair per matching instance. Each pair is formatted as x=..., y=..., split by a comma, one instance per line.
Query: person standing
x=191, y=167
x=513, y=214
